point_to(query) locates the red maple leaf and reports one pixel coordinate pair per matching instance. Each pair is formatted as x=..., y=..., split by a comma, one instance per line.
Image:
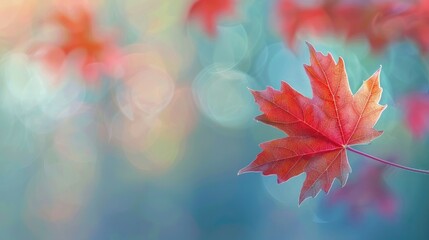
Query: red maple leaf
x=368, y=189
x=99, y=52
x=416, y=113
x=320, y=129
x=208, y=12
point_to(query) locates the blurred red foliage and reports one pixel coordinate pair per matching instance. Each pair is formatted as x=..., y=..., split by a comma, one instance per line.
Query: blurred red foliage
x=94, y=52
x=208, y=12
x=379, y=22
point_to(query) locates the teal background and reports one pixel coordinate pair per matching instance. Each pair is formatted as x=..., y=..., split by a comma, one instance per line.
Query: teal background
x=90, y=162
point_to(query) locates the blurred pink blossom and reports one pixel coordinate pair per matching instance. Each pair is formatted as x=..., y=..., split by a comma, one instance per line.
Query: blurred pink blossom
x=366, y=191
x=416, y=113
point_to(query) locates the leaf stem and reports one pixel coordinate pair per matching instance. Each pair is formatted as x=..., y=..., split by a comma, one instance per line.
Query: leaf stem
x=387, y=162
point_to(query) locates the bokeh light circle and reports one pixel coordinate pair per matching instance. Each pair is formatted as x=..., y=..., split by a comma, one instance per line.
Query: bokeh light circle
x=223, y=96
x=148, y=91
x=226, y=50
x=36, y=96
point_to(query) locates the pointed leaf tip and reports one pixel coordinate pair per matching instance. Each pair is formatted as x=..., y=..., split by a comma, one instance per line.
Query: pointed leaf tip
x=301, y=200
x=243, y=170
x=378, y=70
x=250, y=89
x=310, y=47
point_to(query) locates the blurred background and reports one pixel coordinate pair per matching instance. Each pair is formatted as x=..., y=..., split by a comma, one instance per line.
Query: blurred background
x=130, y=119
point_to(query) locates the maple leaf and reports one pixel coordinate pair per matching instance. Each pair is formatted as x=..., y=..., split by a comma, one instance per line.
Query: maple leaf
x=209, y=11
x=368, y=189
x=416, y=113
x=319, y=129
